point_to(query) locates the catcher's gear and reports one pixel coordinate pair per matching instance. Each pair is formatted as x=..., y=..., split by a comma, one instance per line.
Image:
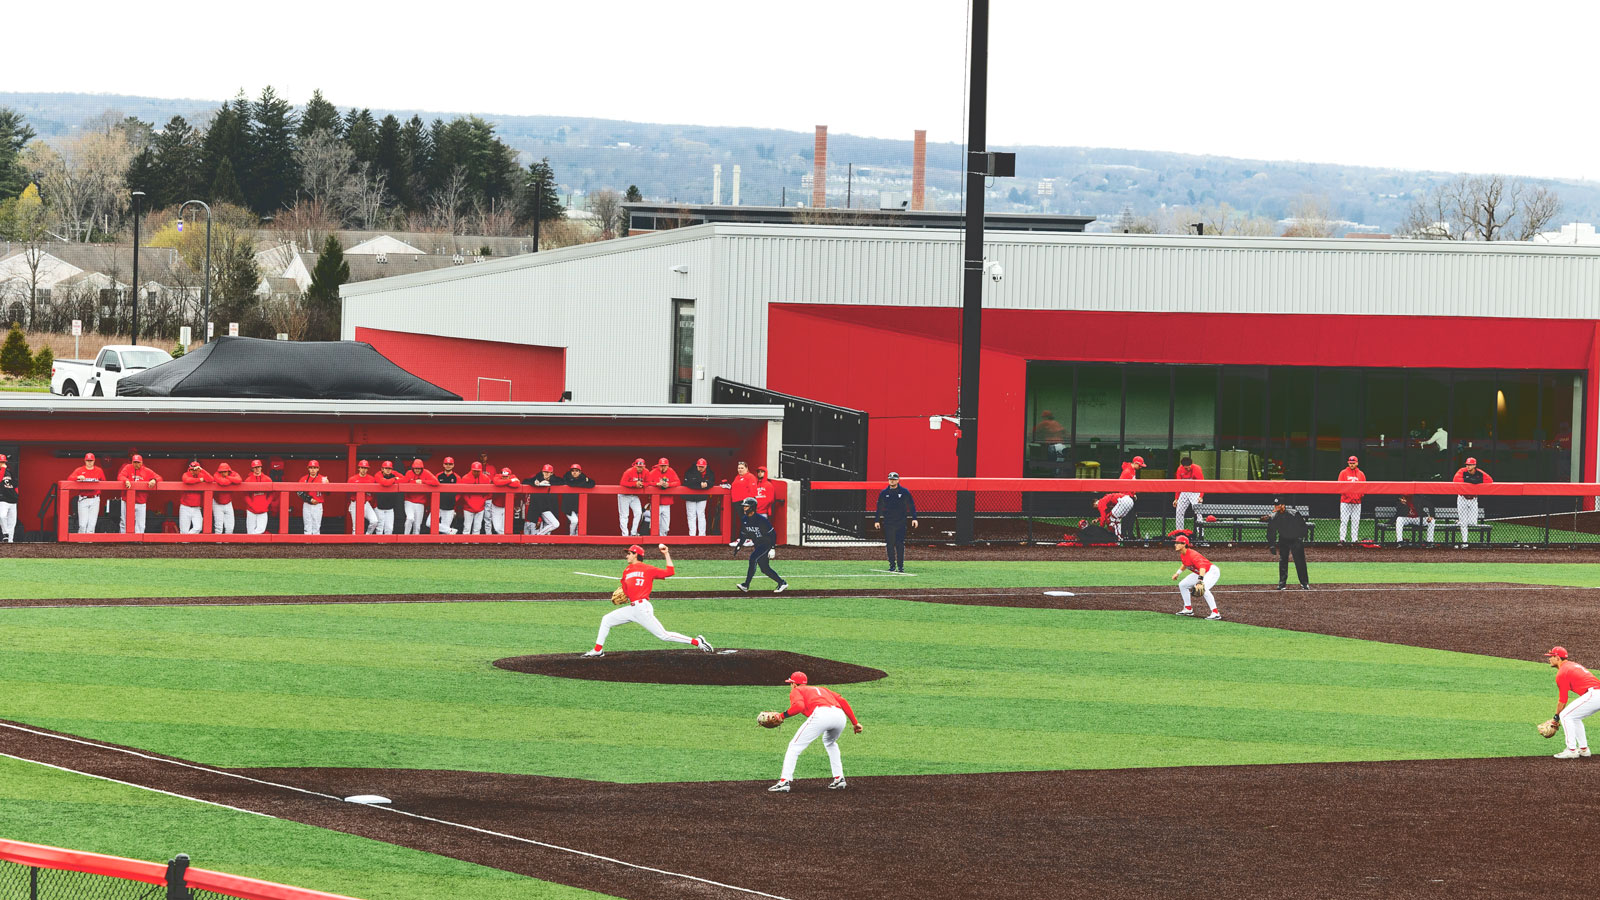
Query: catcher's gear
x=1548, y=728
x=769, y=719
x=618, y=597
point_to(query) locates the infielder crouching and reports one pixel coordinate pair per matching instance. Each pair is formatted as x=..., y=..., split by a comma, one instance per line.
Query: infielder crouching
x=635, y=607
x=1578, y=681
x=1201, y=572
x=826, y=713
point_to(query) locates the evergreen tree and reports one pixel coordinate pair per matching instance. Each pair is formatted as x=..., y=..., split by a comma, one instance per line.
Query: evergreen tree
x=633, y=195
x=442, y=161
x=177, y=163
x=225, y=186
x=15, y=358
x=233, y=297
x=361, y=135
x=224, y=140
x=389, y=159
x=416, y=153
x=625, y=221
x=539, y=188
x=43, y=362
x=275, y=177
x=320, y=115
x=322, y=297
x=14, y=135
x=143, y=175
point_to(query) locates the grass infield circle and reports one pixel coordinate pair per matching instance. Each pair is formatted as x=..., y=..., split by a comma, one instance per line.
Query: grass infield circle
x=691, y=666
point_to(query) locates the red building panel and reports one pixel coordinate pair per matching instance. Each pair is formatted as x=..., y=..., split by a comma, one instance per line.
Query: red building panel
x=477, y=370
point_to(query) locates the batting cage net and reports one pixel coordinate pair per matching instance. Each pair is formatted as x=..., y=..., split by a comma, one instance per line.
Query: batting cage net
x=38, y=872
x=1108, y=512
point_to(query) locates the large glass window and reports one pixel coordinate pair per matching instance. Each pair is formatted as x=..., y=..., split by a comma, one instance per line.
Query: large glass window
x=1341, y=402
x=1049, y=421
x=1289, y=423
x=1385, y=433
x=1097, y=438
x=1147, y=431
x=1429, y=449
x=1241, y=424
x=1194, y=417
x=682, y=352
x=1472, y=419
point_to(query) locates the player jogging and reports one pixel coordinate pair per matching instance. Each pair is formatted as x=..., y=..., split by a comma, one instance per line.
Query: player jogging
x=758, y=530
x=1202, y=577
x=825, y=713
x=1576, y=680
x=635, y=607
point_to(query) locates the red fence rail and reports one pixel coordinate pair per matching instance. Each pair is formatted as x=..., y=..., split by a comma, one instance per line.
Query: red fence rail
x=39, y=856
x=1173, y=485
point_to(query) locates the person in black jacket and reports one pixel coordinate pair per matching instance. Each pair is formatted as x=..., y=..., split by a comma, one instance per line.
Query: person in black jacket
x=447, y=500
x=1286, y=536
x=569, y=502
x=895, y=507
x=758, y=530
x=540, y=515
x=694, y=507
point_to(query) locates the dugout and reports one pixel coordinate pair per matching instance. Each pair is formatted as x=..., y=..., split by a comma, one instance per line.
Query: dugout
x=45, y=438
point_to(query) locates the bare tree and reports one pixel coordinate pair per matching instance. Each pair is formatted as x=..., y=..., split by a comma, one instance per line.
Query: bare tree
x=1482, y=208
x=366, y=196
x=326, y=166
x=606, y=205
x=444, y=208
x=1309, y=217
x=288, y=315
x=306, y=224
x=83, y=184
x=493, y=218
x=26, y=226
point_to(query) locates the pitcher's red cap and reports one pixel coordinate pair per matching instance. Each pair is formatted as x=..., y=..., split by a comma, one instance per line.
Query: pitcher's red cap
x=796, y=678
x=636, y=549
x=1558, y=652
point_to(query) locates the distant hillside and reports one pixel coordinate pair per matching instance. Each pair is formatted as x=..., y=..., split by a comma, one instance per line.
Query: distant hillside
x=674, y=163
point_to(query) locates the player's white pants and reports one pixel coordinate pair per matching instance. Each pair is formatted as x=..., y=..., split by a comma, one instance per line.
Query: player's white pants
x=255, y=523
x=1350, y=513
x=1186, y=501
x=643, y=614
x=88, y=514
x=416, y=514
x=1573, y=715
x=472, y=522
x=629, y=504
x=544, y=524
x=190, y=518
x=138, y=519
x=1212, y=576
x=385, y=521
x=572, y=523
x=1122, y=508
x=311, y=517
x=8, y=521
x=370, y=517
x=695, y=512
x=666, y=519
x=221, y=518
x=1466, y=514
x=494, y=519
x=447, y=518
x=826, y=722
x=1401, y=523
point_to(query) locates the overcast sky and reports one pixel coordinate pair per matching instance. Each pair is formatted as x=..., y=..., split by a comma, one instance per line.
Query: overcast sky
x=1422, y=85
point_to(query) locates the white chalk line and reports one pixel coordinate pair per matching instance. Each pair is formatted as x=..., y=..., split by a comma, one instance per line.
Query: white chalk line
x=337, y=799
x=142, y=787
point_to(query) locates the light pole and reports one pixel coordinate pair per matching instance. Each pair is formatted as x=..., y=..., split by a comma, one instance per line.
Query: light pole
x=136, y=196
x=206, y=295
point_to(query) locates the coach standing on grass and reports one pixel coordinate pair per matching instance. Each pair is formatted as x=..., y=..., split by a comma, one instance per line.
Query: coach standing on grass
x=896, y=506
x=1286, y=536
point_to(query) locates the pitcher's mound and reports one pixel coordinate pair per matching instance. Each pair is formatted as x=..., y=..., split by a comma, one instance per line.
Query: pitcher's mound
x=690, y=666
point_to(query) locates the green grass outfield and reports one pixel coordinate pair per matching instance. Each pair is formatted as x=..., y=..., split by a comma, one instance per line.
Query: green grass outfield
x=709, y=575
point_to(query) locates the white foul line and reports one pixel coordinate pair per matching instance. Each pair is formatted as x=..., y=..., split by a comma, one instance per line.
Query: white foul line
x=400, y=812
x=141, y=787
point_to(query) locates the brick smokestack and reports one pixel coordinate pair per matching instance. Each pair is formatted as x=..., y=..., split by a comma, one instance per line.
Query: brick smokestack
x=919, y=167
x=819, y=169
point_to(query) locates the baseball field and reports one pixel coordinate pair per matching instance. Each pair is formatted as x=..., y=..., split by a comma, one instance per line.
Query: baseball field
x=1371, y=736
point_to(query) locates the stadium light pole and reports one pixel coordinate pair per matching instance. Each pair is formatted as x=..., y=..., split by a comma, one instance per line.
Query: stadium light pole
x=972, y=268
x=137, y=195
x=206, y=294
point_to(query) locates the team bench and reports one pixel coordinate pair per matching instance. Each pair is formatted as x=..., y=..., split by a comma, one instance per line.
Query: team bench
x=1444, y=517
x=1234, y=518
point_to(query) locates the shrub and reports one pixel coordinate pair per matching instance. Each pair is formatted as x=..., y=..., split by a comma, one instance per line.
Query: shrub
x=178, y=350
x=15, y=358
x=43, y=362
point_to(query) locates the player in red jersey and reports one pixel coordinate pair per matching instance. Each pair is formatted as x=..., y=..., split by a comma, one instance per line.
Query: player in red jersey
x=1201, y=571
x=1578, y=681
x=825, y=713
x=637, y=579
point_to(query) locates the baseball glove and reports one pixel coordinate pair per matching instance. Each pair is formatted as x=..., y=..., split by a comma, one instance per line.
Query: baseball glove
x=618, y=597
x=1198, y=591
x=1548, y=728
x=769, y=719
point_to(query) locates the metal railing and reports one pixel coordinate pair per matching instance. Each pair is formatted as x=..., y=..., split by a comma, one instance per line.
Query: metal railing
x=39, y=872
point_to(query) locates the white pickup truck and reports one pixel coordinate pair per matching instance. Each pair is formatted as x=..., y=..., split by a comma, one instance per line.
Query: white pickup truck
x=98, y=377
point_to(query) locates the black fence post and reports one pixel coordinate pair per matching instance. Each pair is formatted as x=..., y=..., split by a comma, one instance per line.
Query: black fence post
x=1547, y=521
x=33, y=883
x=177, y=889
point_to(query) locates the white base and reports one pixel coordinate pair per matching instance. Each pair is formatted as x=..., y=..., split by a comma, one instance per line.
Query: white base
x=367, y=798
x=1059, y=594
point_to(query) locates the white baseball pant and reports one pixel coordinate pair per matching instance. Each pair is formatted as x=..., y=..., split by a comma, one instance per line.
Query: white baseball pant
x=695, y=512
x=1122, y=508
x=1350, y=513
x=190, y=518
x=255, y=523
x=1401, y=523
x=1466, y=514
x=416, y=514
x=447, y=518
x=546, y=523
x=311, y=518
x=385, y=521
x=1212, y=576
x=138, y=519
x=1573, y=715
x=221, y=518
x=472, y=522
x=1186, y=501
x=572, y=523
x=628, y=504
x=826, y=722
x=642, y=614
x=666, y=519
x=8, y=521
x=494, y=519
x=370, y=517
x=88, y=514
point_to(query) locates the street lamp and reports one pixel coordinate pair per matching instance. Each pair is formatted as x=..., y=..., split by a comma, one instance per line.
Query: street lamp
x=206, y=295
x=136, y=196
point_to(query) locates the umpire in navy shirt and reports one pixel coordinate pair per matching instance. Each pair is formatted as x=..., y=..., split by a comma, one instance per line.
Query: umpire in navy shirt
x=895, y=507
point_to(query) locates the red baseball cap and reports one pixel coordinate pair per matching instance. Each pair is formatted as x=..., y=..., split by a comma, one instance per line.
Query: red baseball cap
x=701, y=461
x=662, y=461
x=1181, y=539
x=761, y=468
x=1558, y=652
x=576, y=466
x=1138, y=460
x=636, y=549
x=548, y=468
x=796, y=678
x=1352, y=459
x=89, y=456
x=477, y=466
x=224, y=467
x=277, y=463
x=364, y=464
x=253, y=463
x=389, y=463
x=192, y=462
x=415, y=463
x=1472, y=461
x=314, y=464
x=639, y=461
x=449, y=460
x=137, y=458
x=2, y=457
x=505, y=471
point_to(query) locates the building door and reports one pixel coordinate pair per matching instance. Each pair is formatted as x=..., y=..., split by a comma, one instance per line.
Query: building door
x=682, y=390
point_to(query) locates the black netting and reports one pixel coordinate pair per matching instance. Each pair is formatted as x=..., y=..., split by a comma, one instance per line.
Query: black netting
x=18, y=882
